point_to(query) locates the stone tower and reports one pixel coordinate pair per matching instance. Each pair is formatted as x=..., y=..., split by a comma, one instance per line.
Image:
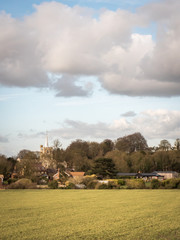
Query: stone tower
x=46, y=154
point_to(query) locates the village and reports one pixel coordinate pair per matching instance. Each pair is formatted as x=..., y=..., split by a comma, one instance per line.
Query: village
x=43, y=169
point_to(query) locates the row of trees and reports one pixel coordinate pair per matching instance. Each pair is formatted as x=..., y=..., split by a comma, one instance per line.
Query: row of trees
x=124, y=162
x=80, y=154
x=127, y=154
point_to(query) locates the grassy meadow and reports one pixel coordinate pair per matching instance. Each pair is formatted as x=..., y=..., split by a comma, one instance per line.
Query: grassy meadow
x=90, y=214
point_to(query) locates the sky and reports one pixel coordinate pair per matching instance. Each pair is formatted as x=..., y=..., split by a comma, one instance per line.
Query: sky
x=88, y=70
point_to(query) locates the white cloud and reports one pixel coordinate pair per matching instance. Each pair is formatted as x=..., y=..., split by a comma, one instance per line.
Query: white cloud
x=153, y=124
x=71, y=42
x=159, y=124
x=20, y=62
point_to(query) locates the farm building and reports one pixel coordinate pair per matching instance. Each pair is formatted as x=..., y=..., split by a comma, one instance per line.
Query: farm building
x=144, y=176
x=58, y=175
x=167, y=174
x=77, y=174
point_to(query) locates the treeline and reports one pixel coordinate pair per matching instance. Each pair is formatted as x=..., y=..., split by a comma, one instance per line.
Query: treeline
x=128, y=154
x=143, y=160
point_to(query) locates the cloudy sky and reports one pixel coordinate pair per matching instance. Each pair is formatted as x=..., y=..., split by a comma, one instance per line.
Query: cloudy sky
x=88, y=70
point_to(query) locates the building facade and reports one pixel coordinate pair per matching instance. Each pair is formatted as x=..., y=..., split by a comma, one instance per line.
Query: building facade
x=46, y=155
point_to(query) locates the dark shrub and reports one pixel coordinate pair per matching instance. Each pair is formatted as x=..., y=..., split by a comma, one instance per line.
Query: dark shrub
x=92, y=184
x=121, y=182
x=53, y=184
x=89, y=178
x=135, y=183
x=172, y=183
x=162, y=184
x=23, y=183
x=11, y=180
x=5, y=183
x=112, y=185
x=100, y=185
x=43, y=180
x=155, y=184
x=70, y=185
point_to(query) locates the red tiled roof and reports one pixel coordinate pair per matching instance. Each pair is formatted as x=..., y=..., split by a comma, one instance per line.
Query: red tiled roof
x=77, y=174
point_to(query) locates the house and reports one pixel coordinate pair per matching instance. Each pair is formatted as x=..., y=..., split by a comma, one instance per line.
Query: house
x=77, y=174
x=144, y=176
x=58, y=175
x=1, y=180
x=168, y=174
x=150, y=176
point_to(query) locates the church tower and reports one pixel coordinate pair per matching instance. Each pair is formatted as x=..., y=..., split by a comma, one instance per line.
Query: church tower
x=46, y=154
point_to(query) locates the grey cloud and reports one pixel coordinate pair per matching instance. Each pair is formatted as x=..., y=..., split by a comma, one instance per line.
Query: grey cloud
x=71, y=42
x=20, y=62
x=163, y=64
x=77, y=129
x=140, y=87
x=128, y=114
x=160, y=10
x=61, y=40
x=3, y=139
x=31, y=134
x=66, y=87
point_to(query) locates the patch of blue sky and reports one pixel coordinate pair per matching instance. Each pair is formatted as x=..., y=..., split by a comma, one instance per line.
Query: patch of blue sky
x=113, y=5
x=19, y=8
x=23, y=108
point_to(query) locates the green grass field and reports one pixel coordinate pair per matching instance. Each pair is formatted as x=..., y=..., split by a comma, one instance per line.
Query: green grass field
x=90, y=214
